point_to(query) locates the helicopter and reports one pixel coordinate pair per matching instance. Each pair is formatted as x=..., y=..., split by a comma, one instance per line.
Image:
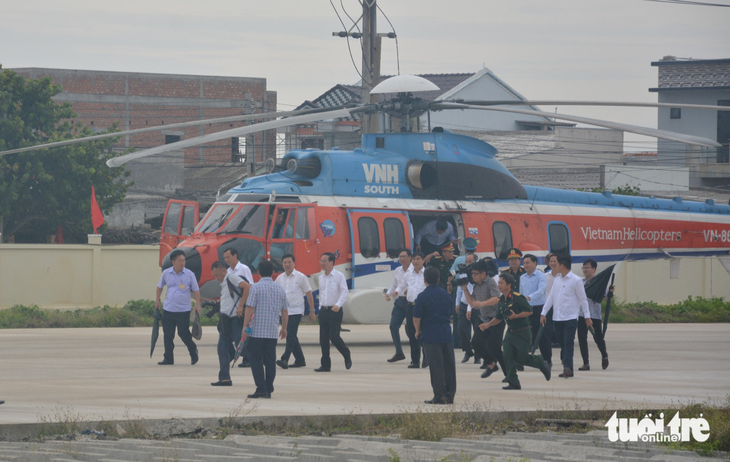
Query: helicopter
x=366, y=205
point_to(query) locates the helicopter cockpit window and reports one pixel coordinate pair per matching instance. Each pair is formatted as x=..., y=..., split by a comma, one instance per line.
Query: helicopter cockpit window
x=217, y=217
x=303, y=222
x=249, y=219
x=188, y=222
x=502, y=239
x=172, y=218
x=283, y=227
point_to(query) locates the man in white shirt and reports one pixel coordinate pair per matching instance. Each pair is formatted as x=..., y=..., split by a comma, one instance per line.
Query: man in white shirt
x=462, y=307
x=412, y=285
x=567, y=299
x=333, y=292
x=230, y=256
x=234, y=292
x=297, y=287
x=400, y=305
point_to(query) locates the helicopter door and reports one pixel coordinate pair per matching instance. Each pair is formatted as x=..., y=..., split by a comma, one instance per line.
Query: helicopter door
x=181, y=218
x=292, y=232
x=377, y=239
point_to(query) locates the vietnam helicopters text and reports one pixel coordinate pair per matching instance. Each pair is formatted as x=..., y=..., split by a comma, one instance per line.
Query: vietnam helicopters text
x=367, y=204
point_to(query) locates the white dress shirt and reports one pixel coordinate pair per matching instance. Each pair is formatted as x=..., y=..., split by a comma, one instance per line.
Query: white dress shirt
x=549, y=279
x=397, y=279
x=296, y=286
x=567, y=298
x=242, y=271
x=332, y=289
x=228, y=301
x=413, y=282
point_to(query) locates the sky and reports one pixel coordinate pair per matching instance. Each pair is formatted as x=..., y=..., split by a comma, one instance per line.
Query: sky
x=559, y=49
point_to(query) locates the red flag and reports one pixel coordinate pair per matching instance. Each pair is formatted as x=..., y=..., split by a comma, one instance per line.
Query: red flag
x=59, y=235
x=97, y=218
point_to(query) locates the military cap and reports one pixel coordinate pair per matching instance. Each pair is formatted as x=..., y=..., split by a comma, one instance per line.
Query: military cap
x=514, y=252
x=448, y=247
x=470, y=244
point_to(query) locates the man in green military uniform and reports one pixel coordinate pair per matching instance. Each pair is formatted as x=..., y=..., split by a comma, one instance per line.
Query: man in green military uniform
x=443, y=260
x=515, y=310
x=514, y=257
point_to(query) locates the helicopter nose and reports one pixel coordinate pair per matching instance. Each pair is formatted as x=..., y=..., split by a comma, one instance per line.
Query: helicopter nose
x=192, y=261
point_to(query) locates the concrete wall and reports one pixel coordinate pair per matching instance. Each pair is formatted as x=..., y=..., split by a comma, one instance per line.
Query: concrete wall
x=648, y=178
x=84, y=276
x=77, y=276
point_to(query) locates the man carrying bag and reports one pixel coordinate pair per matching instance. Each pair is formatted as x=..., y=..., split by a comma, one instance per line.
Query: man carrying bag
x=234, y=292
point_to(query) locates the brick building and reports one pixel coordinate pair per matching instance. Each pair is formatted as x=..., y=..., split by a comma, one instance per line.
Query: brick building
x=137, y=100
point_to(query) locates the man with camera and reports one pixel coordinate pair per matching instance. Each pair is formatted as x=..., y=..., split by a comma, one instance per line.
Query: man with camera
x=484, y=296
x=234, y=292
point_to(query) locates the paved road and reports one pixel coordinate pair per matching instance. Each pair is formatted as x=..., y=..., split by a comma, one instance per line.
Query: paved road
x=512, y=447
x=95, y=374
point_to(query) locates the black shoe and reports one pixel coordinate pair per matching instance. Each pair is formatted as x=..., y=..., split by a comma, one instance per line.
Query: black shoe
x=165, y=362
x=2, y=402
x=489, y=372
x=298, y=365
x=485, y=365
x=348, y=363
x=566, y=373
x=520, y=367
x=395, y=358
x=321, y=369
x=259, y=395
x=222, y=383
x=604, y=363
x=545, y=369
x=424, y=364
x=245, y=364
x=467, y=357
x=504, y=380
x=512, y=387
x=414, y=366
x=437, y=401
x=282, y=364
x=477, y=361
x=194, y=357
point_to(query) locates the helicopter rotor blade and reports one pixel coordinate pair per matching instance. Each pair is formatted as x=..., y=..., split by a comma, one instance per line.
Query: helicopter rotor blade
x=586, y=103
x=236, y=118
x=234, y=132
x=646, y=131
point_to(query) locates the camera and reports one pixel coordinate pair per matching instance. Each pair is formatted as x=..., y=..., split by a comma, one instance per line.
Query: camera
x=490, y=266
x=213, y=308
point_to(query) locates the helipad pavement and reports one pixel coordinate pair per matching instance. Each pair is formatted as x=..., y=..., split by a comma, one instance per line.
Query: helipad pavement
x=95, y=374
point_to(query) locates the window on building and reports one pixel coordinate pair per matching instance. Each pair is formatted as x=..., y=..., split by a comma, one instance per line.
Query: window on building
x=502, y=239
x=169, y=139
x=395, y=237
x=675, y=113
x=559, y=238
x=367, y=228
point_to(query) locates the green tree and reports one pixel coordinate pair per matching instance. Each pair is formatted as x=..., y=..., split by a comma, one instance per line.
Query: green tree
x=41, y=190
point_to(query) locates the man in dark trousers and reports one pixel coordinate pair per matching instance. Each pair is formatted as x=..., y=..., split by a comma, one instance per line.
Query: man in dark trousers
x=234, y=293
x=431, y=317
x=333, y=292
x=589, y=270
x=266, y=302
x=515, y=311
x=181, y=284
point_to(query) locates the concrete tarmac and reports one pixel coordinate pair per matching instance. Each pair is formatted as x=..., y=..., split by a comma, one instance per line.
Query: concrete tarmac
x=95, y=374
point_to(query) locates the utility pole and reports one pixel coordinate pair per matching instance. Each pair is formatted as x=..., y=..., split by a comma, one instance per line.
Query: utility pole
x=370, y=61
x=371, y=52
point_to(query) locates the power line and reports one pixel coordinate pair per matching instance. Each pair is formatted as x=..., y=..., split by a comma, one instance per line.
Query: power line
x=352, y=58
x=689, y=2
x=397, y=52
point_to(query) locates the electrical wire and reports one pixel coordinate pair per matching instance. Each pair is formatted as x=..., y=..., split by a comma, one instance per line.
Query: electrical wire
x=397, y=51
x=349, y=49
x=689, y=2
x=362, y=47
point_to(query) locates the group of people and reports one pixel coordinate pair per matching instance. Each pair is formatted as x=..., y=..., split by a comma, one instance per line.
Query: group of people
x=521, y=300
x=255, y=315
x=427, y=292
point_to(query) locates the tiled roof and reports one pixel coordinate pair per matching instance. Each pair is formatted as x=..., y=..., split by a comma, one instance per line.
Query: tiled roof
x=512, y=144
x=693, y=74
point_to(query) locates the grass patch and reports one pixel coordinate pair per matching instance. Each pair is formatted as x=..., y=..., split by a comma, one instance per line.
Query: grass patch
x=136, y=313
x=694, y=309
